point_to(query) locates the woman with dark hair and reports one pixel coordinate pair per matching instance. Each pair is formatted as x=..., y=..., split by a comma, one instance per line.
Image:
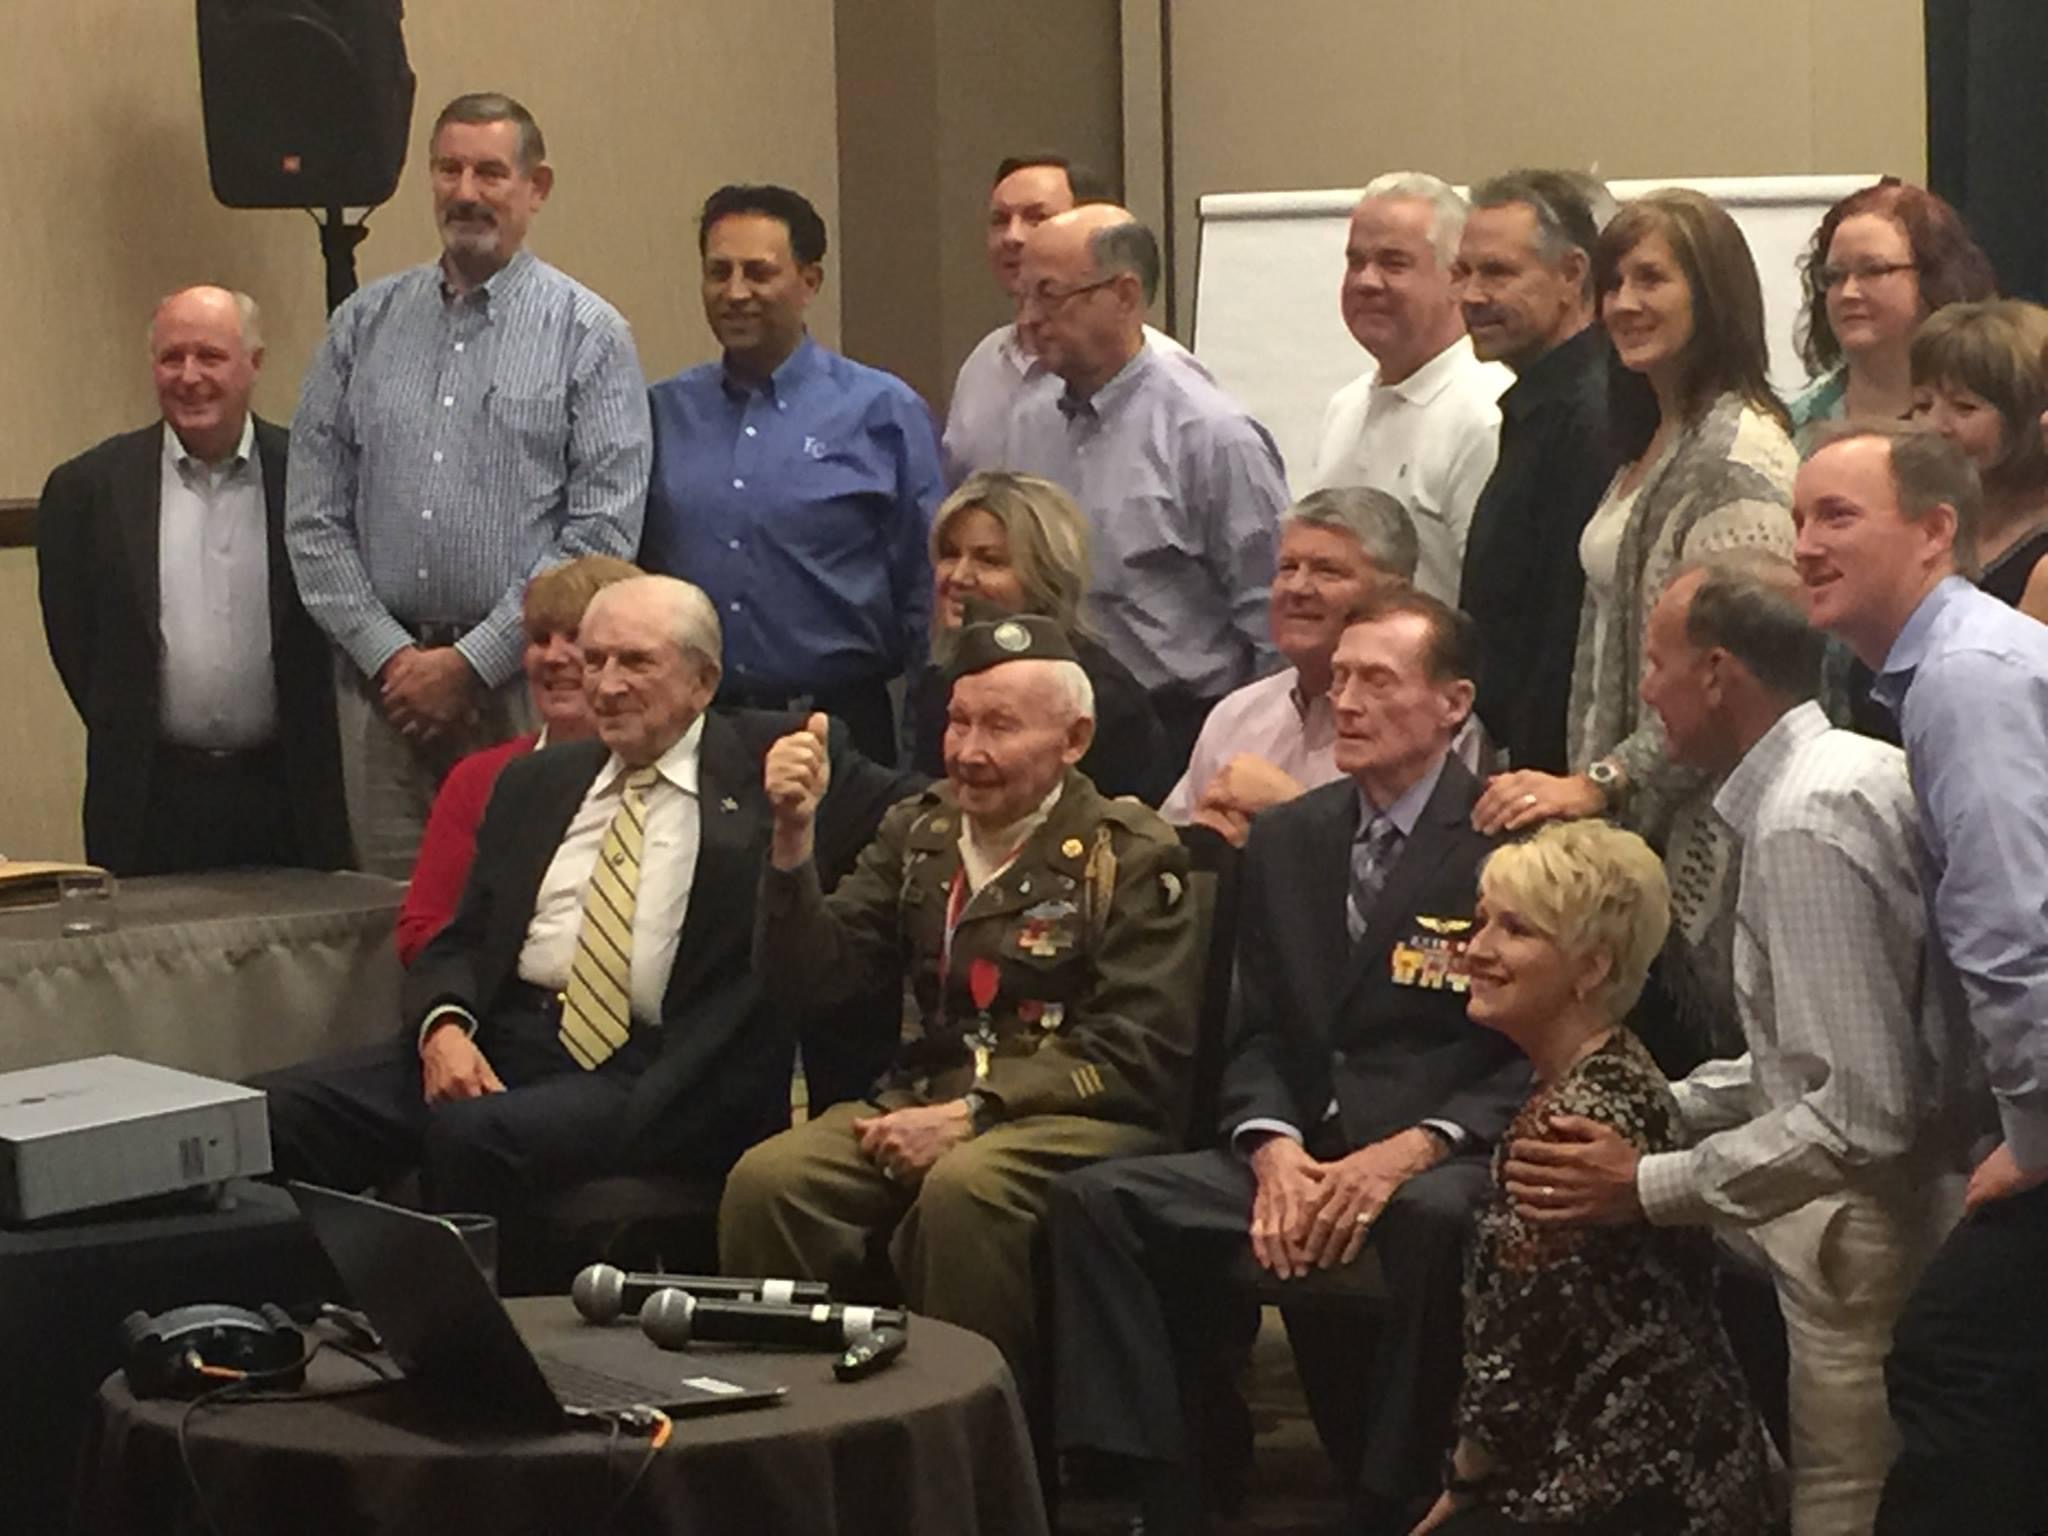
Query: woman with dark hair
x=1882, y=261
x=1980, y=379
x=1018, y=544
x=1707, y=466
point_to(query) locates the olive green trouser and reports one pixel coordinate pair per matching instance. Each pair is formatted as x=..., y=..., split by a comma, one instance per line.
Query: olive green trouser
x=808, y=1204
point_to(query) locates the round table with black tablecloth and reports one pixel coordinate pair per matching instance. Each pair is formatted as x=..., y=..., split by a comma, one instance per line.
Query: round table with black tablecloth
x=932, y=1444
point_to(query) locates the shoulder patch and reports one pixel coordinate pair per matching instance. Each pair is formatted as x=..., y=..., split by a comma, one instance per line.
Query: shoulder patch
x=1139, y=819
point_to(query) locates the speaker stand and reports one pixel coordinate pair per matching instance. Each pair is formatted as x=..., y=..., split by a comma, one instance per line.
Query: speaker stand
x=338, y=242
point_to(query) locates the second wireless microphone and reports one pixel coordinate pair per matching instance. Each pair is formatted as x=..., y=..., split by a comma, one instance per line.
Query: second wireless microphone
x=674, y=1319
x=602, y=1293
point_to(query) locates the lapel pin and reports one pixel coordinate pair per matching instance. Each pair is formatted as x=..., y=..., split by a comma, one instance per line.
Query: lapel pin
x=728, y=804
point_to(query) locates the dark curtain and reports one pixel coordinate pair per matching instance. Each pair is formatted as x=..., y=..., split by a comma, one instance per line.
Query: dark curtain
x=1987, y=129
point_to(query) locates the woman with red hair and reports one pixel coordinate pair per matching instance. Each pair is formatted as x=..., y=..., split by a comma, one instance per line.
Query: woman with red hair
x=1882, y=261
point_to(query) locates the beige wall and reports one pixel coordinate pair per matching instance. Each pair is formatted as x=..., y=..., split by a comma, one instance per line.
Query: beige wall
x=932, y=94
x=647, y=104
x=1328, y=93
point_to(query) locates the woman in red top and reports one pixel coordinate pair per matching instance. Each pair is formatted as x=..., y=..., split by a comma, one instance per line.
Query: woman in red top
x=553, y=611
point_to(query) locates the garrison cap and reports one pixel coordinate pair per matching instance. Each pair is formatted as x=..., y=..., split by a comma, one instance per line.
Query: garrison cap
x=1013, y=637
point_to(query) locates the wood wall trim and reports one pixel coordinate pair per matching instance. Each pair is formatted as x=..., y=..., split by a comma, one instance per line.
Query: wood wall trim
x=17, y=523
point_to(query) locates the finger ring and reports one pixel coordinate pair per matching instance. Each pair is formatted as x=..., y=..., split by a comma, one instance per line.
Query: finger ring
x=1548, y=1190
x=1362, y=1219
x=1528, y=799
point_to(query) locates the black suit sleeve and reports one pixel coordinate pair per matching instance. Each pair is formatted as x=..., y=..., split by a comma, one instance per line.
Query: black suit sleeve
x=67, y=563
x=448, y=969
x=1255, y=1082
x=1580, y=467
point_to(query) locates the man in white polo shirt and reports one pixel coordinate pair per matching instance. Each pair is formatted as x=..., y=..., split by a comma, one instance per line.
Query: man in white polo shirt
x=1422, y=422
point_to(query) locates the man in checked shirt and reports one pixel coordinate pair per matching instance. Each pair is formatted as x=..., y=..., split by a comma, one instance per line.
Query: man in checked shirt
x=465, y=423
x=1836, y=1141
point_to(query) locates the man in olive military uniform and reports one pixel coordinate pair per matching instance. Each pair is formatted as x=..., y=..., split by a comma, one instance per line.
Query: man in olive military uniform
x=1048, y=939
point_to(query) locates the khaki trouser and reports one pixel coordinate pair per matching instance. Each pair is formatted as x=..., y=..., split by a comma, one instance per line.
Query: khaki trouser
x=390, y=782
x=1844, y=1265
x=809, y=1204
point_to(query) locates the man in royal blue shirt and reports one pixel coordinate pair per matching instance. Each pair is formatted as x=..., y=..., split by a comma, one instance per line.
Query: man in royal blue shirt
x=793, y=485
x=1886, y=518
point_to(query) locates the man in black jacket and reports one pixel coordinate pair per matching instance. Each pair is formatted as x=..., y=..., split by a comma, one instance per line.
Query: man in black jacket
x=1357, y=1101
x=170, y=611
x=1526, y=262
x=590, y=1009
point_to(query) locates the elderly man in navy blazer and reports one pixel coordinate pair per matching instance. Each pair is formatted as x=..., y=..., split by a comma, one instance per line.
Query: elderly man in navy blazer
x=591, y=1008
x=1357, y=1105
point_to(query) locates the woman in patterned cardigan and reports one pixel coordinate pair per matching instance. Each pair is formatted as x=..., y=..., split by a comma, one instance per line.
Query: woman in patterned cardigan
x=1707, y=467
x=1600, y=1393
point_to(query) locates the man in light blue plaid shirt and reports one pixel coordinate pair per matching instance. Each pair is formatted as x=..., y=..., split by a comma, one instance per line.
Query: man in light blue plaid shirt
x=1838, y=1141
x=465, y=423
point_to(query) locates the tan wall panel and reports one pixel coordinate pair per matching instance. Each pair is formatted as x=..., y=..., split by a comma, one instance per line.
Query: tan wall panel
x=647, y=104
x=932, y=94
x=1323, y=93
x=41, y=741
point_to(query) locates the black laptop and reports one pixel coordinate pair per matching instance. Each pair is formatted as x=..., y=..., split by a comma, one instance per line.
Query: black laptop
x=415, y=1280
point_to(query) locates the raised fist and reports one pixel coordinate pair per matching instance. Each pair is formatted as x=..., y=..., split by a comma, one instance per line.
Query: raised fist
x=795, y=778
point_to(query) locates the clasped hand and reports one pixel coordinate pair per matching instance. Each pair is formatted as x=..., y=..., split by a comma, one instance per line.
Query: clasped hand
x=1315, y=1215
x=426, y=693
x=452, y=1067
x=905, y=1143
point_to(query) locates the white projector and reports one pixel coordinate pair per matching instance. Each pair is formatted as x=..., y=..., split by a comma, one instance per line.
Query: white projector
x=80, y=1134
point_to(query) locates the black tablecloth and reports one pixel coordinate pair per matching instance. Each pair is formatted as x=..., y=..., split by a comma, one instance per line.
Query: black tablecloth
x=64, y=1290
x=933, y=1444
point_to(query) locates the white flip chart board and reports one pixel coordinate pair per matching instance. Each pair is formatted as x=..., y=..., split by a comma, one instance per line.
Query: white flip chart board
x=1266, y=317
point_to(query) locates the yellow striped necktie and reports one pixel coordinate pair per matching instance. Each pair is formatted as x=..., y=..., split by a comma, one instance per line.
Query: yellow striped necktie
x=597, y=1005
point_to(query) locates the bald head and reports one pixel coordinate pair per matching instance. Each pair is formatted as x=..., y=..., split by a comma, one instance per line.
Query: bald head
x=205, y=349
x=1088, y=277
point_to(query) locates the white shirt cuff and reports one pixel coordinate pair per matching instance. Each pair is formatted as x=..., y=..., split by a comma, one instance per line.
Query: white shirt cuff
x=1263, y=1128
x=446, y=1011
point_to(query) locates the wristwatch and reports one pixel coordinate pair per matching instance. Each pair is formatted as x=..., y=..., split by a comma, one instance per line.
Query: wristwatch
x=981, y=1111
x=1608, y=778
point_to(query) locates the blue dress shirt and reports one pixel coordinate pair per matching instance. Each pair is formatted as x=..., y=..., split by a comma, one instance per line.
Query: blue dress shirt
x=448, y=446
x=802, y=508
x=1967, y=678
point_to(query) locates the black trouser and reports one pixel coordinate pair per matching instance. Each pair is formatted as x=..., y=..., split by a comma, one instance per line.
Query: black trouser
x=216, y=810
x=1142, y=1253
x=1181, y=717
x=358, y=1119
x=863, y=707
x=1968, y=1381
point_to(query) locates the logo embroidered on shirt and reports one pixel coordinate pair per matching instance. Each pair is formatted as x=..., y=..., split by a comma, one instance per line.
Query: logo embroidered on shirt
x=814, y=447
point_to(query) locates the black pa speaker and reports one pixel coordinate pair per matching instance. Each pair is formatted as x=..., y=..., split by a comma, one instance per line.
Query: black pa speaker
x=308, y=102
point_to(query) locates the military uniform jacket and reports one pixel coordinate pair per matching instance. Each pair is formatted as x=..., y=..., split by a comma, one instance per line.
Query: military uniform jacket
x=1084, y=948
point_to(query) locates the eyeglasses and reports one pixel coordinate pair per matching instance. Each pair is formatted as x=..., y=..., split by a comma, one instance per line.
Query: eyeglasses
x=1049, y=299
x=1865, y=273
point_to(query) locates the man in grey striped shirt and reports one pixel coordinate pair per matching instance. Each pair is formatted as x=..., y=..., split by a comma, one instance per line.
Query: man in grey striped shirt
x=1831, y=1142
x=464, y=424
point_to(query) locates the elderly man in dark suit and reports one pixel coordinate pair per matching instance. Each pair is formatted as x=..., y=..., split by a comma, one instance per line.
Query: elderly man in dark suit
x=170, y=611
x=590, y=1009
x=1357, y=1105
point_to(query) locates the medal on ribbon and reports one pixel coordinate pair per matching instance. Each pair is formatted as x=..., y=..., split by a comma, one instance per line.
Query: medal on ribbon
x=983, y=978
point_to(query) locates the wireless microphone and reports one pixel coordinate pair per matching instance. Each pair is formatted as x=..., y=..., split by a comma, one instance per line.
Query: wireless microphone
x=674, y=1319
x=869, y=1353
x=602, y=1293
